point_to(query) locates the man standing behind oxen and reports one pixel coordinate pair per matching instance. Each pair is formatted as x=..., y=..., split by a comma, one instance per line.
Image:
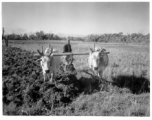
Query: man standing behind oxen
x=67, y=46
x=69, y=58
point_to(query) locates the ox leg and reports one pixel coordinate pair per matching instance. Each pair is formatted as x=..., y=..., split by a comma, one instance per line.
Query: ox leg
x=54, y=77
x=44, y=75
x=65, y=66
x=101, y=78
x=100, y=75
x=51, y=80
x=66, y=62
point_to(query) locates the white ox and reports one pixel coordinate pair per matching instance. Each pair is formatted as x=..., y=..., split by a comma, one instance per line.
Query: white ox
x=98, y=61
x=49, y=63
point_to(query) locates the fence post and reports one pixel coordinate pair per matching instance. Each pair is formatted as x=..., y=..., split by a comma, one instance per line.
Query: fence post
x=4, y=37
x=94, y=45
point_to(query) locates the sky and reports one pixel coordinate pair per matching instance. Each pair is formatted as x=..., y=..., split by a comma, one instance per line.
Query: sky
x=76, y=18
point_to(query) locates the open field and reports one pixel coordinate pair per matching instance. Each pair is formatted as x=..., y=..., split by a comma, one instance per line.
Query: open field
x=128, y=69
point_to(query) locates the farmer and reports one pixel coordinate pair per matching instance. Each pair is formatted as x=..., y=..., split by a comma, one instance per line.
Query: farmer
x=67, y=46
x=69, y=58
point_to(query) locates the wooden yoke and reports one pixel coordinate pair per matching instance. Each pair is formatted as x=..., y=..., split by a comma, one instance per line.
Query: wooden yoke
x=65, y=54
x=69, y=53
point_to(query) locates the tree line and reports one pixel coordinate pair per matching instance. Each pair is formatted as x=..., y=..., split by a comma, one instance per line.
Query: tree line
x=35, y=36
x=111, y=37
x=119, y=37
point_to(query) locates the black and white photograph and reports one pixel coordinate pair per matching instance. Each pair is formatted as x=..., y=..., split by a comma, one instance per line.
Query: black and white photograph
x=76, y=59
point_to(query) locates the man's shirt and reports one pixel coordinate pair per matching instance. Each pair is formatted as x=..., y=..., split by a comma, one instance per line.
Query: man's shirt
x=67, y=48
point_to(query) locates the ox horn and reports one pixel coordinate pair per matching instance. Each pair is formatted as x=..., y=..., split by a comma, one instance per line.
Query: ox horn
x=51, y=50
x=41, y=54
x=42, y=50
x=91, y=50
x=49, y=46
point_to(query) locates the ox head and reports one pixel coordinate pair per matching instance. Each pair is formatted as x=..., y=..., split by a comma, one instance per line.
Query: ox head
x=46, y=59
x=95, y=57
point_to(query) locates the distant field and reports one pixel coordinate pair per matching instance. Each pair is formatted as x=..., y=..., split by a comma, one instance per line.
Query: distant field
x=129, y=68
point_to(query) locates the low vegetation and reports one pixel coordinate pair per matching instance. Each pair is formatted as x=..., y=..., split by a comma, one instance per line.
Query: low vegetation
x=25, y=92
x=126, y=93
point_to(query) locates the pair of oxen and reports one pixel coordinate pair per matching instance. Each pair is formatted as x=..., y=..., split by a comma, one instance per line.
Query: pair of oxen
x=50, y=62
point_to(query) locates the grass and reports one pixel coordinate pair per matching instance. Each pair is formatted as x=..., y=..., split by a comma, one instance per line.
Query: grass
x=111, y=103
x=129, y=69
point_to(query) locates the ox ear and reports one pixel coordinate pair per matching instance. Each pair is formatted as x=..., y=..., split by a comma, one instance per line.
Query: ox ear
x=102, y=52
x=49, y=45
x=38, y=60
x=91, y=51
